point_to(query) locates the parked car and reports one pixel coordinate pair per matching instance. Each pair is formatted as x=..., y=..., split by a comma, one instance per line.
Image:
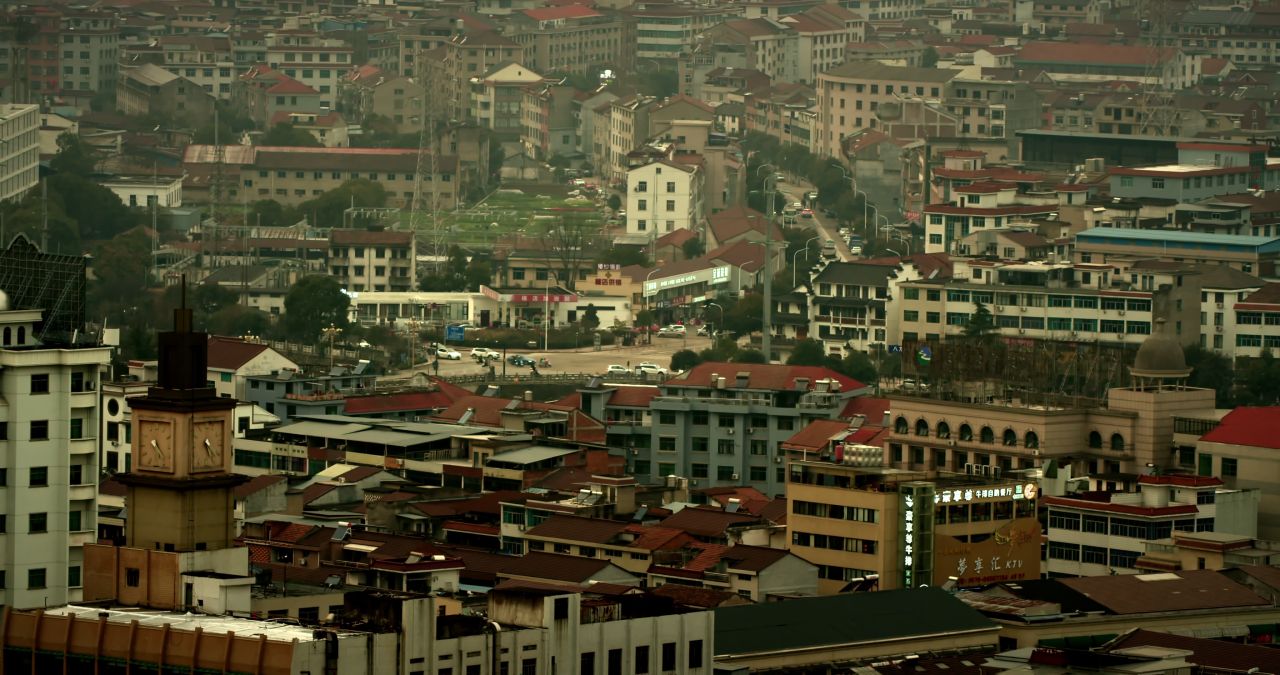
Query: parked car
x=520, y=360
x=448, y=353
x=485, y=353
x=615, y=369
x=807, y=213
x=650, y=369
x=674, y=330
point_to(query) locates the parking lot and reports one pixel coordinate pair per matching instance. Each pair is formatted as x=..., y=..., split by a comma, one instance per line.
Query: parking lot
x=585, y=360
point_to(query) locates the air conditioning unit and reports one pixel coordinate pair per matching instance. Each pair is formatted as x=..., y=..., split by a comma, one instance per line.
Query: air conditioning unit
x=1219, y=305
x=999, y=308
x=1217, y=329
x=1122, y=312
x=634, y=451
x=1022, y=331
x=730, y=431
x=777, y=460
x=1119, y=336
x=1073, y=333
x=733, y=477
x=951, y=443
x=1022, y=309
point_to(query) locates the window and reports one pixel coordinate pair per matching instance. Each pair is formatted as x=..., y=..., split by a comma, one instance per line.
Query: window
x=37, y=522
x=132, y=577
x=76, y=474
x=988, y=436
x=40, y=430
x=642, y=186
x=40, y=383
x=666, y=417
x=74, y=521
x=588, y=664
x=966, y=432
x=1229, y=467
x=39, y=476
x=695, y=653
x=1031, y=439
x=1117, y=442
x=671, y=186
x=668, y=656
x=36, y=577
x=77, y=428
x=642, y=660
x=725, y=473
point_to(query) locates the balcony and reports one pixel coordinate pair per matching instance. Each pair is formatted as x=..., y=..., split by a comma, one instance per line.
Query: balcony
x=81, y=538
x=82, y=492
x=83, y=446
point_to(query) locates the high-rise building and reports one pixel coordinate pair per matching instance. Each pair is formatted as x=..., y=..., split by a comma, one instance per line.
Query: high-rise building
x=19, y=149
x=48, y=418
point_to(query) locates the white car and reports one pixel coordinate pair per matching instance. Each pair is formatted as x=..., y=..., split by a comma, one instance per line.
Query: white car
x=448, y=353
x=485, y=353
x=616, y=369
x=650, y=369
x=674, y=330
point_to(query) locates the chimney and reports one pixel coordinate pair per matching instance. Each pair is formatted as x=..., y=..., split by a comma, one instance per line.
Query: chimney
x=528, y=395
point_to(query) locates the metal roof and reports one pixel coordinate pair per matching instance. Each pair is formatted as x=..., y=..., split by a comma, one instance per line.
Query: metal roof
x=321, y=429
x=1181, y=237
x=531, y=455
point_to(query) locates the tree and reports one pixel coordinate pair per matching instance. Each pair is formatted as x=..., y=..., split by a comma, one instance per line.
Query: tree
x=615, y=202
x=659, y=83
x=1261, y=379
x=74, y=156
x=327, y=210
x=859, y=366
x=749, y=356
x=314, y=303
x=1211, y=370
x=271, y=213
x=571, y=238
x=930, y=58
x=684, y=359
x=287, y=135
x=238, y=320
x=590, y=318
x=624, y=256
x=645, y=318
x=209, y=299
x=98, y=211
x=120, y=270
x=746, y=315
x=807, y=352
x=693, y=248
x=722, y=349
x=981, y=326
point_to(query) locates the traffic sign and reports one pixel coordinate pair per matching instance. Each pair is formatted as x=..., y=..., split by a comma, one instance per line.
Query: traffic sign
x=455, y=333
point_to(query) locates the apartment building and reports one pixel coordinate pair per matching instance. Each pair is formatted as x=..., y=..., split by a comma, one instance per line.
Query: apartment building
x=497, y=98
x=550, y=121
x=1246, y=39
x=151, y=90
x=373, y=260
x=207, y=60
x=1241, y=450
x=1256, y=318
x=1256, y=255
x=664, y=196
x=822, y=32
x=885, y=11
x=368, y=91
x=723, y=423
x=763, y=44
x=1099, y=533
x=624, y=125
x=1066, y=301
x=847, y=307
x=888, y=528
x=1167, y=68
x=447, y=70
x=90, y=51
x=293, y=175
x=42, y=50
x=263, y=92
x=572, y=39
x=986, y=205
x=19, y=149
x=663, y=31
x=315, y=61
x=1060, y=13
x=50, y=450
x=850, y=94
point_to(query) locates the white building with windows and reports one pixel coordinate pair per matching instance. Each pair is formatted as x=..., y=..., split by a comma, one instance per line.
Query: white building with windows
x=48, y=461
x=19, y=149
x=1101, y=533
x=663, y=197
x=145, y=191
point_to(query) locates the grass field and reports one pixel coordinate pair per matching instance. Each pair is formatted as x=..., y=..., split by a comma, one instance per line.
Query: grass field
x=528, y=210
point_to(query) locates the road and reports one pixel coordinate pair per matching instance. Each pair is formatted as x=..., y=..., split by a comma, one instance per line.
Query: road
x=583, y=360
x=795, y=189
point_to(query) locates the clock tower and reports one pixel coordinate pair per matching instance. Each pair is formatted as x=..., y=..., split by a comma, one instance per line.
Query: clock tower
x=180, y=487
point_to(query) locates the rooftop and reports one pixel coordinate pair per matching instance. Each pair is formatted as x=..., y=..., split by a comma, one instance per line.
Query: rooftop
x=1165, y=592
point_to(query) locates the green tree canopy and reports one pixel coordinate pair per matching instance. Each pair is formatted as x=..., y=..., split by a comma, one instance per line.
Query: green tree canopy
x=684, y=359
x=327, y=210
x=981, y=325
x=285, y=134
x=120, y=270
x=74, y=156
x=314, y=303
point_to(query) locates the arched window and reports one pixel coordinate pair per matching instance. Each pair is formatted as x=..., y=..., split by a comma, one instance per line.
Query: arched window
x=1031, y=440
x=1095, y=440
x=1117, y=442
x=8, y=336
x=900, y=425
x=988, y=436
x=922, y=428
x=943, y=430
x=1010, y=437
x=966, y=432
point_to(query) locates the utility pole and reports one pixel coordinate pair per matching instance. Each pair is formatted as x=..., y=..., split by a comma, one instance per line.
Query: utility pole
x=766, y=332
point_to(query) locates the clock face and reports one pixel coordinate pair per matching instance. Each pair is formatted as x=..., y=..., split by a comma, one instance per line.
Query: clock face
x=155, y=445
x=207, y=450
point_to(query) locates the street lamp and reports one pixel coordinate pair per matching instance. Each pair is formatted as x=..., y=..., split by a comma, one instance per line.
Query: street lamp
x=711, y=333
x=766, y=332
x=796, y=255
x=331, y=332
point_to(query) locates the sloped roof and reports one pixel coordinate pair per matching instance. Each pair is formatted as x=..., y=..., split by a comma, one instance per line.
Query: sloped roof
x=738, y=220
x=228, y=353
x=1168, y=592
x=554, y=567
x=1093, y=53
x=256, y=484
x=1216, y=654
x=562, y=12
x=692, y=596
x=706, y=522
x=1249, y=426
x=578, y=528
x=817, y=434
x=410, y=401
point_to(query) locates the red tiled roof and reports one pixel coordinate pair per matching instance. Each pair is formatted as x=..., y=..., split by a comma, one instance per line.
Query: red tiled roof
x=470, y=528
x=367, y=237
x=816, y=435
x=774, y=377
x=578, y=528
x=1131, y=509
x=287, y=85
x=870, y=407
x=1080, y=53
x=228, y=353
x=752, y=558
x=112, y=486
x=1181, y=591
x=707, y=522
x=984, y=187
x=254, y=485
x=563, y=12
x=654, y=537
x=259, y=554
x=1248, y=426
x=692, y=596
x=396, y=402
x=633, y=396
x=675, y=238
x=554, y=567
